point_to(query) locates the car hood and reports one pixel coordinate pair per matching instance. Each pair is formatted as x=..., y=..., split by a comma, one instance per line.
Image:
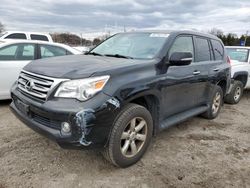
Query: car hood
x=78, y=66
x=238, y=63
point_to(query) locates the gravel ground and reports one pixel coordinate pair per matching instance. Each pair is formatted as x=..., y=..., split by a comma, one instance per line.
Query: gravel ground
x=196, y=153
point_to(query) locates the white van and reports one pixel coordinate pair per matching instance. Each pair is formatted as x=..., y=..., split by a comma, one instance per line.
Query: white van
x=25, y=35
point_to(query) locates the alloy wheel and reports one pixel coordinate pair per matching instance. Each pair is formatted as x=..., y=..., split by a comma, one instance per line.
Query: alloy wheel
x=133, y=137
x=216, y=103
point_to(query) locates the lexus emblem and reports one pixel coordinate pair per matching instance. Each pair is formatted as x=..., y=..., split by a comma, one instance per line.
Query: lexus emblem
x=29, y=85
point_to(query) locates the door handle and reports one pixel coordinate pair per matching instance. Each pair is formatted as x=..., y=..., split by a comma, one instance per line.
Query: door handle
x=216, y=69
x=196, y=72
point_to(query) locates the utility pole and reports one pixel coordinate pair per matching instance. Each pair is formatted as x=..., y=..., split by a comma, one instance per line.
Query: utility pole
x=245, y=38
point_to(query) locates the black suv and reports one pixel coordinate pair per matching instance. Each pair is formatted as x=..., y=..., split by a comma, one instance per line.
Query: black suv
x=122, y=92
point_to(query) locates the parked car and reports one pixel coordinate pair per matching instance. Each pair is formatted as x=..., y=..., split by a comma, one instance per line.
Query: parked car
x=125, y=90
x=14, y=55
x=240, y=63
x=83, y=49
x=10, y=35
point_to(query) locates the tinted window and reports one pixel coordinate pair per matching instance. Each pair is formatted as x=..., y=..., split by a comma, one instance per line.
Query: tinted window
x=182, y=44
x=51, y=51
x=17, y=52
x=238, y=54
x=218, y=49
x=39, y=37
x=202, y=50
x=16, y=36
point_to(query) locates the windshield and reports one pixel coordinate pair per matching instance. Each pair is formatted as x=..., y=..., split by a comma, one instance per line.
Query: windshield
x=238, y=54
x=132, y=45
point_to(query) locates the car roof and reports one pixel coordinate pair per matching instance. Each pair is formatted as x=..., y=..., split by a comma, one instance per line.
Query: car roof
x=17, y=41
x=29, y=32
x=177, y=32
x=242, y=47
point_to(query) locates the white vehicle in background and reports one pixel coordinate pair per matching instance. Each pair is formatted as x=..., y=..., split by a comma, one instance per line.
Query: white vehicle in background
x=83, y=49
x=21, y=35
x=14, y=55
x=240, y=72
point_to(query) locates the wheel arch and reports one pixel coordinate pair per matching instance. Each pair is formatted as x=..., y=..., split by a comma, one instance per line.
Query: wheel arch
x=241, y=76
x=223, y=85
x=152, y=103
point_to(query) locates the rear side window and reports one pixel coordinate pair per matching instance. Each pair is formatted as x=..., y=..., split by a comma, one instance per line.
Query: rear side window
x=16, y=36
x=182, y=44
x=51, y=51
x=39, y=37
x=17, y=52
x=202, y=50
x=218, y=50
x=28, y=52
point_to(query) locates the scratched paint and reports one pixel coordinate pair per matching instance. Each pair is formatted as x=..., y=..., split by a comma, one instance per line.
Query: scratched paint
x=114, y=102
x=82, y=118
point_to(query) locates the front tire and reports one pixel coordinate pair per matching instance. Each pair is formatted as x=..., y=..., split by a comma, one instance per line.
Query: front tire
x=215, y=104
x=235, y=94
x=130, y=136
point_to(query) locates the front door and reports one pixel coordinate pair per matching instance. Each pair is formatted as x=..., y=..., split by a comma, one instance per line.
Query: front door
x=180, y=84
x=12, y=59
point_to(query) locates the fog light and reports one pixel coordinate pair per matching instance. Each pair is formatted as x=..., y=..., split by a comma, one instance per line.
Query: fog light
x=66, y=127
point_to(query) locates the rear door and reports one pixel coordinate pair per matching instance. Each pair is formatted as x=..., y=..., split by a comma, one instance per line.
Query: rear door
x=202, y=63
x=12, y=59
x=218, y=66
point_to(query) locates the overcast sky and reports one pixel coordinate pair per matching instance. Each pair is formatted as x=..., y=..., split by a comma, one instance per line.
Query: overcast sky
x=97, y=16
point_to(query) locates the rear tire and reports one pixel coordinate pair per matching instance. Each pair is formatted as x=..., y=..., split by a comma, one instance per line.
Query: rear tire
x=236, y=93
x=215, y=104
x=130, y=136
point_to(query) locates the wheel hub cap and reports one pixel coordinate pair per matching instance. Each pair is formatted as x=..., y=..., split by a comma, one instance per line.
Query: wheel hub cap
x=133, y=137
x=237, y=94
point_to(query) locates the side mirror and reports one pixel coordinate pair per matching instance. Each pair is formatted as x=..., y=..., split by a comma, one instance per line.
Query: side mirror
x=180, y=58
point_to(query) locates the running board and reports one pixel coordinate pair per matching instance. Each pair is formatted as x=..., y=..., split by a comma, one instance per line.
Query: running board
x=178, y=118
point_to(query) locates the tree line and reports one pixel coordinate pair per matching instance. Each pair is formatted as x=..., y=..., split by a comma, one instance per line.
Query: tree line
x=229, y=39
x=74, y=40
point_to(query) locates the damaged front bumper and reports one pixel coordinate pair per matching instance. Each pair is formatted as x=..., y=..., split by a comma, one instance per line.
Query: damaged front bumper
x=90, y=121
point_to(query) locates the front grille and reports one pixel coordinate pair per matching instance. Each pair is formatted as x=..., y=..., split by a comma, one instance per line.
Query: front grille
x=36, y=86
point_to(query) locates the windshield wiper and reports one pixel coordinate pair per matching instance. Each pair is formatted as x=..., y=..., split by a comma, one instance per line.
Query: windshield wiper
x=93, y=53
x=118, y=56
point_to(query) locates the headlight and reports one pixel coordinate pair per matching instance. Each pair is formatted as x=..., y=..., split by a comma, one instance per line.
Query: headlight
x=81, y=89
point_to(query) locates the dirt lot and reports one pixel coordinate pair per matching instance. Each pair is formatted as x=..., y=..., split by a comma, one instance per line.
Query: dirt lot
x=197, y=153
